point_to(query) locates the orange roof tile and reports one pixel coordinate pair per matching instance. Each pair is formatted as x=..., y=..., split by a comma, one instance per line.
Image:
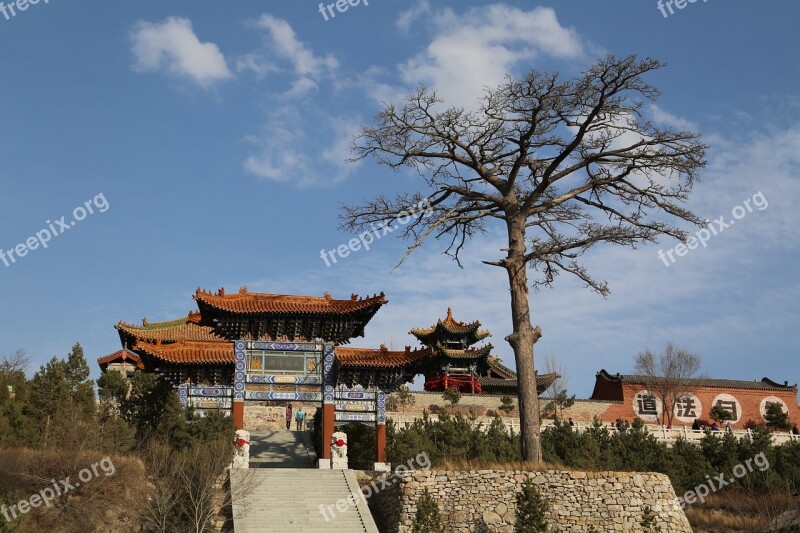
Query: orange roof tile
x=185, y=328
x=121, y=355
x=253, y=303
x=453, y=326
x=189, y=352
x=381, y=357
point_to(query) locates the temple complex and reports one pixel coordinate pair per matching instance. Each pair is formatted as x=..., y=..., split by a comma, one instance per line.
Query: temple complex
x=252, y=353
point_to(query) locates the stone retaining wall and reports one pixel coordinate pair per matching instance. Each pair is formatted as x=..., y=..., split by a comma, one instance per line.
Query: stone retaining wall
x=485, y=500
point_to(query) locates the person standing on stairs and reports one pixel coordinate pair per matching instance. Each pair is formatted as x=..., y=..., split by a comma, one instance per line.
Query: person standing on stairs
x=288, y=417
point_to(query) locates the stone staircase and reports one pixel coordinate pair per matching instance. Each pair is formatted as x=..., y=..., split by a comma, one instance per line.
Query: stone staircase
x=282, y=493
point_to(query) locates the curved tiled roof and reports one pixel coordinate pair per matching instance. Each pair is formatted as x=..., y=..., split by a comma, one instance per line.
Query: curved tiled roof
x=189, y=352
x=764, y=384
x=381, y=357
x=255, y=303
x=452, y=326
x=121, y=355
x=543, y=381
x=470, y=353
x=186, y=328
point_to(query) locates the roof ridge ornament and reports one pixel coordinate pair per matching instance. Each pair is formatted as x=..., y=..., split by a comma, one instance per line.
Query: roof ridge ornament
x=327, y=295
x=243, y=289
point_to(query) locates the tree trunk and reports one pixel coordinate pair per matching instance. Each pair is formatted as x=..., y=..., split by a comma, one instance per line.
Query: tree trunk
x=522, y=340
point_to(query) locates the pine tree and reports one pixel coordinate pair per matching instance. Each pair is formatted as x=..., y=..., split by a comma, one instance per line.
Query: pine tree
x=506, y=404
x=531, y=510
x=776, y=417
x=720, y=414
x=428, y=518
x=452, y=395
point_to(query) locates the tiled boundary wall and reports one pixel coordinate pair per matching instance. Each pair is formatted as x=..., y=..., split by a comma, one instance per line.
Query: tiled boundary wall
x=488, y=405
x=485, y=500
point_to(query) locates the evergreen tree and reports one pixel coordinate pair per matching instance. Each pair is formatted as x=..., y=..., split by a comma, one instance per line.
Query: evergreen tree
x=452, y=395
x=152, y=406
x=428, y=518
x=720, y=414
x=776, y=417
x=507, y=404
x=404, y=396
x=112, y=387
x=77, y=375
x=531, y=510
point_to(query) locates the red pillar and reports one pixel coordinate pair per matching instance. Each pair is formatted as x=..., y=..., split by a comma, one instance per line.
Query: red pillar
x=238, y=413
x=327, y=429
x=380, y=438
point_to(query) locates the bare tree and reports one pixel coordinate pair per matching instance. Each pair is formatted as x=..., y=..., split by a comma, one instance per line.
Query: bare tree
x=189, y=486
x=668, y=375
x=19, y=362
x=561, y=165
x=557, y=391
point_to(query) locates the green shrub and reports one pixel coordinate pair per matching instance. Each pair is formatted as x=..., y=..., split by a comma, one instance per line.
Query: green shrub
x=428, y=518
x=531, y=510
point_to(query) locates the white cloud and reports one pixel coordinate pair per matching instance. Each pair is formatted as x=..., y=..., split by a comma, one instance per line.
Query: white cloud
x=254, y=63
x=293, y=137
x=668, y=119
x=306, y=65
x=172, y=46
x=478, y=48
x=408, y=17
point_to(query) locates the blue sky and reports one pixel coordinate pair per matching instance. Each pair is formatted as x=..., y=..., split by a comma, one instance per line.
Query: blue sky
x=218, y=135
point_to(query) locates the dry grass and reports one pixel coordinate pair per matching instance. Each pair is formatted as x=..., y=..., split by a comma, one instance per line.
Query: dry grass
x=718, y=521
x=107, y=503
x=737, y=511
x=524, y=466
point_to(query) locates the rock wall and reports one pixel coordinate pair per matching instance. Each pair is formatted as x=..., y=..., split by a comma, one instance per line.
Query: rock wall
x=272, y=415
x=485, y=500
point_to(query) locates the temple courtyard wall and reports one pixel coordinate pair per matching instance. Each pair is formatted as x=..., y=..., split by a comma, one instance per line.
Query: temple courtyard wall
x=260, y=416
x=485, y=500
x=488, y=405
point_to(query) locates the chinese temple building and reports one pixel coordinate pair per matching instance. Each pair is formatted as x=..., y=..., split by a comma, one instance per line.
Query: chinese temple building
x=456, y=361
x=744, y=400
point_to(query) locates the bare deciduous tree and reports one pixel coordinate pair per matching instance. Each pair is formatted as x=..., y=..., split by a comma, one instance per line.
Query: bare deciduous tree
x=561, y=165
x=668, y=375
x=189, y=486
x=18, y=362
x=557, y=391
